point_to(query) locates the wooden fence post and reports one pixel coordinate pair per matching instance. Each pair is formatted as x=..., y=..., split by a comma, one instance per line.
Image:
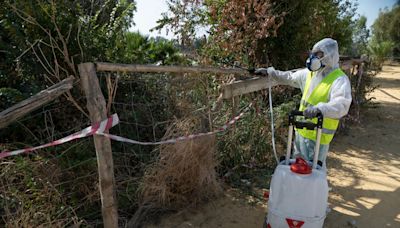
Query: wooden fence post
x=97, y=110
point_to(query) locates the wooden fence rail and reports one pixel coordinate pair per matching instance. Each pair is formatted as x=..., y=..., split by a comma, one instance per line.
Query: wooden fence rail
x=115, y=67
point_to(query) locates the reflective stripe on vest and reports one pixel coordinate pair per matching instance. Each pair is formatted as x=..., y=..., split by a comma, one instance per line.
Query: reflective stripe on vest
x=320, y=94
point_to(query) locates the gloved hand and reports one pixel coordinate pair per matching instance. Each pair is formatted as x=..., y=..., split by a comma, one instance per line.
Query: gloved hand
x=264, y=71
x=311, y=112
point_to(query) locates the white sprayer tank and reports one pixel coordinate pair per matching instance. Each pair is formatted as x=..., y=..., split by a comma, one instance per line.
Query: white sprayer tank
x=297, y=200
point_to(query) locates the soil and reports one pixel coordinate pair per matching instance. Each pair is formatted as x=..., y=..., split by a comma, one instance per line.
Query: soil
x=363, y=173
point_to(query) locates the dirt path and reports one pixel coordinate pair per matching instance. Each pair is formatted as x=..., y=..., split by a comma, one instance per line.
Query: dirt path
x=365, y=165
x=364, y=174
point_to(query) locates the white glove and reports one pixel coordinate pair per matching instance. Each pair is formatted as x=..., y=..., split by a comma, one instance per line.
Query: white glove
x=265, y=71
x=311, y=112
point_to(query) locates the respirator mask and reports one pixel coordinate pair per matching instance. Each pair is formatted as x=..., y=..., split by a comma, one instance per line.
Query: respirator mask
x=314, y=62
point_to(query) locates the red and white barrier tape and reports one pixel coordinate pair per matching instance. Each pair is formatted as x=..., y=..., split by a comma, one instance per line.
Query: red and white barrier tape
x=94, y=129
x=101, y=127
x=182, y=138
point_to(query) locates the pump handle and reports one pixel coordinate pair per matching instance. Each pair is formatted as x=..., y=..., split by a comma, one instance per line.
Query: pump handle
x=304, y=124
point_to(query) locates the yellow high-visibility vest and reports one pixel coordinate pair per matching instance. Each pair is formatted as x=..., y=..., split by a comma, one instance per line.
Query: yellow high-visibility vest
x=320, y=94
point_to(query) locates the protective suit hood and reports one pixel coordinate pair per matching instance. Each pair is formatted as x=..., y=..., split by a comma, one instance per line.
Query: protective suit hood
x=330, y=49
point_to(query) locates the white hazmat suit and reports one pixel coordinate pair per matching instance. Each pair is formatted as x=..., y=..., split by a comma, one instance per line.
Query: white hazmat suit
x=339, y=98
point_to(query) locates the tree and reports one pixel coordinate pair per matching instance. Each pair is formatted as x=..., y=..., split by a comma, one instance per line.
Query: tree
x=141, y=49
x=192, y=15
x=305, y=23
x=262, y=32
x=360, y=37
x=386, y=28
x=379, y=51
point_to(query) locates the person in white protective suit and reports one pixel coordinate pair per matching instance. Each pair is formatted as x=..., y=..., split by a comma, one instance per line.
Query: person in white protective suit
x=326, y=89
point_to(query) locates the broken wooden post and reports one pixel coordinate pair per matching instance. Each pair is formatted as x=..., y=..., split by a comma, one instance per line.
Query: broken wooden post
x=36, y=101
x=259, y=83
x=97, y=110
x=245, y=86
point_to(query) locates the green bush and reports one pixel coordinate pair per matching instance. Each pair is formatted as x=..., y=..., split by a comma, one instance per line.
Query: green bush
x=8, y=97
x=379, y=51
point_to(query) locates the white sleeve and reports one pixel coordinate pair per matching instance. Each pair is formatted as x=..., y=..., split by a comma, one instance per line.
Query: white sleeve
x=339, y=99
x=295, y=79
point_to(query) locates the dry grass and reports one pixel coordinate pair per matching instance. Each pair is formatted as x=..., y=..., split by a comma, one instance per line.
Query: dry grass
x=29, y=197
x=183, y=176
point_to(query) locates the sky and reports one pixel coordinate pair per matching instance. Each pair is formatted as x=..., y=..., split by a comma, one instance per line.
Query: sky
x=146, y=16
x=370, y=8
x=149, y=11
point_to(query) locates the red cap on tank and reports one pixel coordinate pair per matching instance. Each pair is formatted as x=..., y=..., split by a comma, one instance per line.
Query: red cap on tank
x=300, y=166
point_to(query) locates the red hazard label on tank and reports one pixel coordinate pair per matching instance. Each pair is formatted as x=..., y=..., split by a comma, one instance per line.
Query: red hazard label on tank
x=294, y=223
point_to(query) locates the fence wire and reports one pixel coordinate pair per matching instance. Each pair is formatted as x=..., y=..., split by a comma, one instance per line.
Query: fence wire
x=55, y=186
x=149, y=106
x=148, y=103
